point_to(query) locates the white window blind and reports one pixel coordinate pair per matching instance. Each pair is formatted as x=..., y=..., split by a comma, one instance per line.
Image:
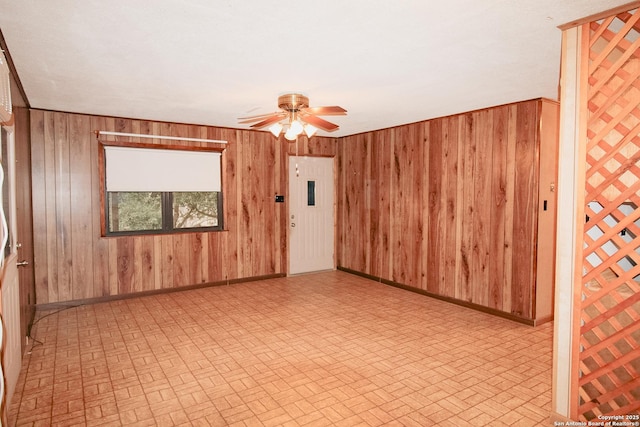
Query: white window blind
x=150, y=169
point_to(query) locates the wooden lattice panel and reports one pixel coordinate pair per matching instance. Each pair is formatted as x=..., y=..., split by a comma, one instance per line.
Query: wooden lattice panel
x=609, y=358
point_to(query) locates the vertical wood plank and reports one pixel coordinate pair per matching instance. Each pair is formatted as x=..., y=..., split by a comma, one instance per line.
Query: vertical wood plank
x=355, y=205
x=370, y=233
x=145, y=258
x=81, y=215
x=113, y=267
x=216, y=270
x=497, y=278
x=137, y=265
x=393, y=179
x=264, y=203
x=232, y=169
x=525, y=208
x=39, y=200
x=398, y=183
x=158, y=262
x=195, y=249
x=509, y=207
x=359, y=197
x=63, y=207
x=451, y=202
x=482, y=209
x=340, y=200
x=50, y=207
x=246, y=194
x=167, y=262
x=423, y=173
x=385, y=179
x=420, y=170
x=379, y=203
x=181, y=260
x=436, y=211
x=100, y=245
x=124, y=247
x=464, y=288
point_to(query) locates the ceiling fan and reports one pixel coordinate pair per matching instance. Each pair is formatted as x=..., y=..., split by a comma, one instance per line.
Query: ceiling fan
x=296, y=116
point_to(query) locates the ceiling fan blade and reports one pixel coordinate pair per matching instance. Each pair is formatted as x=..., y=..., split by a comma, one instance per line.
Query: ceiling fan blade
x=269, y=121
x=333, y=110
x=250, y=119
x=319, y=123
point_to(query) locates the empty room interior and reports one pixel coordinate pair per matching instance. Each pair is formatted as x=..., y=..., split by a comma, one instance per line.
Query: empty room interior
x=342, y=213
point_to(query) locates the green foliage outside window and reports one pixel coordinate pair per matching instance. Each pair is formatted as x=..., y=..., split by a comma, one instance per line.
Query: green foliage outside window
x=195, y=209
x=129, y=211
x=143, y=211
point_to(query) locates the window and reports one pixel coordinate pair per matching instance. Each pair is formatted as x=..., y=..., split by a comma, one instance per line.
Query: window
x=311, y=193
x=158, y=190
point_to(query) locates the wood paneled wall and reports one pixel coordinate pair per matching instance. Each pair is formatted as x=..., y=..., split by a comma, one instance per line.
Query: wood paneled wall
x=72, y=260
x=447, y=206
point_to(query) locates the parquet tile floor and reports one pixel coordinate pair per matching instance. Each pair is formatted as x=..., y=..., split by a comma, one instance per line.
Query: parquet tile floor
x=325, y=349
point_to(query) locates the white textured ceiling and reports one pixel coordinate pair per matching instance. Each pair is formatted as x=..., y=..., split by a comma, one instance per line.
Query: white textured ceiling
x=212, y=61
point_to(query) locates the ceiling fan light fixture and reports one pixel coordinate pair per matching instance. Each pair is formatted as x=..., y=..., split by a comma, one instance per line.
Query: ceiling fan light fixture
x=310, y=130
x=296, y=127
x=290, y=135
x=275, y=129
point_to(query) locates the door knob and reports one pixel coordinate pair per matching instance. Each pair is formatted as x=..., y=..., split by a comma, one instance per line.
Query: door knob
x=22, y=263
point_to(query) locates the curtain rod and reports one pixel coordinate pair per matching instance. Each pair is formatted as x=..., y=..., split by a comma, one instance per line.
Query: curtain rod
x=143, y=135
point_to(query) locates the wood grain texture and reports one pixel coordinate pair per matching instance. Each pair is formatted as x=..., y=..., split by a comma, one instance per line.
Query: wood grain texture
x=429, y=205
x=606, y=357
x=39, y=205
x=448, y=206
x=525, y=208
x=482, y=212
x=436, y=220
x=498, y=198
x=80, y=210
x=100, y=247
x=464, y=290
x=24, y=224
x=73, y=260
x=380, y=211
x=452, y=218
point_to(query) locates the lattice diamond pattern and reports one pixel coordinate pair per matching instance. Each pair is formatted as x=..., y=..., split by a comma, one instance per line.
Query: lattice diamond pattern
x=609, y=359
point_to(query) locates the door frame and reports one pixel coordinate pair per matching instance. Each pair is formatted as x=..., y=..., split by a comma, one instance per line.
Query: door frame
x=335, y=209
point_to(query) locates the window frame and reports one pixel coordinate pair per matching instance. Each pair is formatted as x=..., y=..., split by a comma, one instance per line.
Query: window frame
x=166, y=197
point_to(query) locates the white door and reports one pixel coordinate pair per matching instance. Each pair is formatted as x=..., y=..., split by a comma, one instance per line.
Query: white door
x=9, y=283
x=311, y=214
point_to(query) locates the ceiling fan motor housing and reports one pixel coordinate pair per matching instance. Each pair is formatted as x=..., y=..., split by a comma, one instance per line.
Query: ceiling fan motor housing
x=293, y=102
